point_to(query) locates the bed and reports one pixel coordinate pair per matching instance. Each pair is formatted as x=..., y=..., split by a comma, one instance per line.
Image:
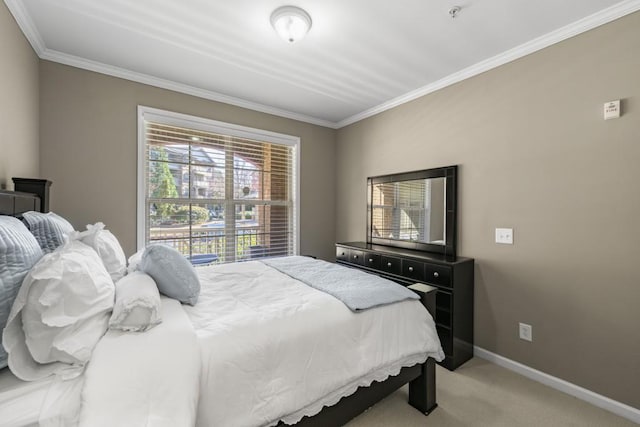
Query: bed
x=262, y=347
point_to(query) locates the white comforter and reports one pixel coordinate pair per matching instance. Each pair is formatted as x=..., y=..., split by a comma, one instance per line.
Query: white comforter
x=273, y=348
x=144, y=379
x=133, y=379
x=257, y=348
x=50, y=402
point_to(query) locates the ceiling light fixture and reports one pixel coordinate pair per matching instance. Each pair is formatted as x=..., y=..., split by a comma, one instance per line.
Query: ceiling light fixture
x=291, y=23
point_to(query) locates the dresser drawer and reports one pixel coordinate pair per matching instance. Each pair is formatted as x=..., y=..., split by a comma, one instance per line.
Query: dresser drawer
x=356, y=257
x=390, y=264
x=351, y=256
x=372, y=260
x=342, y=254
x=437, y=274
x=413, y=270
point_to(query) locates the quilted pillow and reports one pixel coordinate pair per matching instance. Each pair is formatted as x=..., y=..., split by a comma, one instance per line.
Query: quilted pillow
x=19, y=251
x=107, y=247
x=50, y=230
x=61, y=312
x=173, y=273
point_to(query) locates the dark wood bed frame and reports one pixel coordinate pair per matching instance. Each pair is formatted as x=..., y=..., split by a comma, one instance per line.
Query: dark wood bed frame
x=14, y=203
x=421, y=377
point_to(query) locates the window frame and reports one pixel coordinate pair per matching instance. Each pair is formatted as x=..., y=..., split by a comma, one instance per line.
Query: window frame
x=208, y=125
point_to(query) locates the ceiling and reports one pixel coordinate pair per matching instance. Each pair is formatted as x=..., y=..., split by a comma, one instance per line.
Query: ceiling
x=360, y=57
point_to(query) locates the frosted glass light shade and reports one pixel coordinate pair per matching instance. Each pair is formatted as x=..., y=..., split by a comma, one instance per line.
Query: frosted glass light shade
x=291, y=23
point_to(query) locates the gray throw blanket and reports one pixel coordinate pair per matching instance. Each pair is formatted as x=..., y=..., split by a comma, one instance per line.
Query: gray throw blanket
x=356, y=289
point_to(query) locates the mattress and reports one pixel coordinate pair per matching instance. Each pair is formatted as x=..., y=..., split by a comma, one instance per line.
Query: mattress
x=276, y=349
x=48, y=402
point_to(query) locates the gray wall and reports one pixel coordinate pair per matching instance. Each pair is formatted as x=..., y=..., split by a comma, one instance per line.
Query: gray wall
x=18, y=103
x=88, y=123
x=535, y=154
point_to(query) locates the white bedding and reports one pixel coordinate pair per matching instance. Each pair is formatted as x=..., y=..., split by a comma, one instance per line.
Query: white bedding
x=144, y=379
x=275, y=349
x=49, y=402
x=133, y=379
x=259, y=347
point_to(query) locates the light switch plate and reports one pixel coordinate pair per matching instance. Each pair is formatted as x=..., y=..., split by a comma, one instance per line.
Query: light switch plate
x=504, y=236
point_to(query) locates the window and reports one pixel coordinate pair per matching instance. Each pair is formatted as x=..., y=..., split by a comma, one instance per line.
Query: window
x=216, y=192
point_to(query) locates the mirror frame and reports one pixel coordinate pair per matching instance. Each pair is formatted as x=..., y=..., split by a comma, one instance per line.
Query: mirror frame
x=451, y=201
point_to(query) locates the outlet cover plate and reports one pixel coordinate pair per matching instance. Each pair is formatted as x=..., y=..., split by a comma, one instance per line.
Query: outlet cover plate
x=504, y=236
x=526, y=332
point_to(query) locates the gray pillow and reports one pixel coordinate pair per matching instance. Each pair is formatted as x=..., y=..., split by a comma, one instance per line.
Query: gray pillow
x=50, y=230
x=173, y=273
x=19, y=251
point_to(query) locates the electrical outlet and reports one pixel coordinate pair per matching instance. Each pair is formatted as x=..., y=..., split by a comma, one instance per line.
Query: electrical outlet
x=526, y=332
x=504, y=236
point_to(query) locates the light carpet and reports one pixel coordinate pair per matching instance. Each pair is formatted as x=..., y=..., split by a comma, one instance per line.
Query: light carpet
x=480, y=393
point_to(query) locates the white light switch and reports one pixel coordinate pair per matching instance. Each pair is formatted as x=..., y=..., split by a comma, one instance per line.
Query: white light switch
x=612, y=109
x=504, y=235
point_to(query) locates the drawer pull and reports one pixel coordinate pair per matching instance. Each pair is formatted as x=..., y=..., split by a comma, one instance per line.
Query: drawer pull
x=388, y=264
x=355, y=257
x=410, y=269
x=343, y=254
x=370, y=259
x=435, y=274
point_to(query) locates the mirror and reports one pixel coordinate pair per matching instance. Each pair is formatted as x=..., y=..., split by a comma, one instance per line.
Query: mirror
x=414, y=210
x=409, y=210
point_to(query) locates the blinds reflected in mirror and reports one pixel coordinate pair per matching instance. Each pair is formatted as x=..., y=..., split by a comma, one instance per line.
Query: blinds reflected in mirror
x=410, y=210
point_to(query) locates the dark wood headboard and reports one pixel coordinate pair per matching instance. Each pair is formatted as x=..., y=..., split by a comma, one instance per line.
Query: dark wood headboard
x=15, y=203
x=30, y=195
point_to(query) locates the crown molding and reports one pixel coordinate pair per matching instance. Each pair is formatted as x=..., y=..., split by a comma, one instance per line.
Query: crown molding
x=597, y=19
x=98, y=67
x=22, y=17
x=28, y=28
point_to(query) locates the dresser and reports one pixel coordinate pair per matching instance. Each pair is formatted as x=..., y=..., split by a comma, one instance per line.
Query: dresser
x=453, y=278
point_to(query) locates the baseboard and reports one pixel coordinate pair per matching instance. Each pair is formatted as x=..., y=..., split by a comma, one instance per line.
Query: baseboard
x=595, y=399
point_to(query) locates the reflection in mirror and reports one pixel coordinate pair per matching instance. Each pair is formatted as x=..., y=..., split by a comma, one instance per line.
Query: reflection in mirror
x=411, y=210
x=414, y=210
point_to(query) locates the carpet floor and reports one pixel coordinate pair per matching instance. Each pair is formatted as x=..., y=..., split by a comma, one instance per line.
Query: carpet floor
x=480, y=393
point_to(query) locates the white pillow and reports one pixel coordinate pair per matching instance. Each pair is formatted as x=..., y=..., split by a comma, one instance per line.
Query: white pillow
x=137, y=306
x=107, y=246
x=61, y=312
x=134, y=261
